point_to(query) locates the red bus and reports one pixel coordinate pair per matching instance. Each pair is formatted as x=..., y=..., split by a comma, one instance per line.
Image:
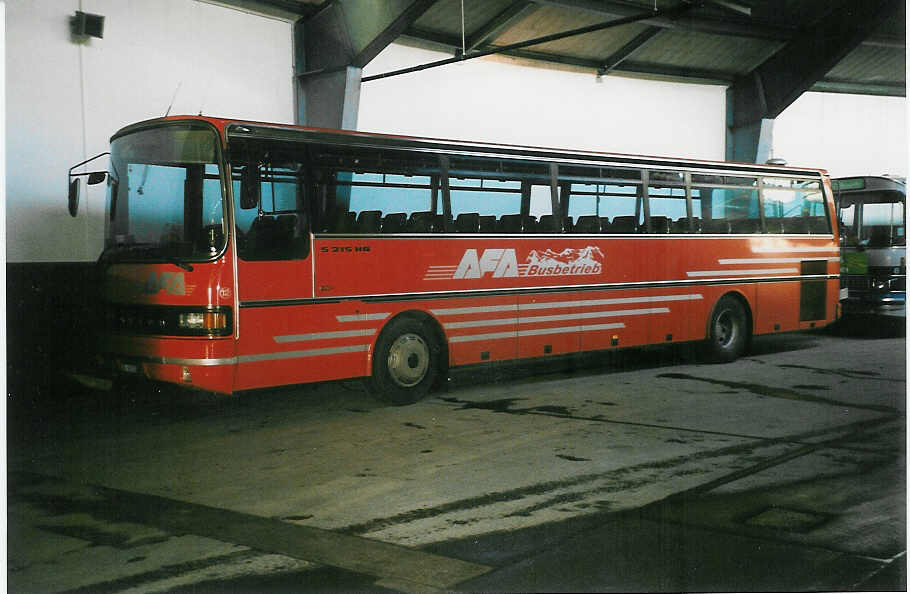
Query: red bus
x=240, y=255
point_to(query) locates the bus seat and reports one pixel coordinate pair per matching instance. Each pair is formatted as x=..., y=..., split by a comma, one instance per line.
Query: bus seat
x=624, y=224
x=795, y=225
x=773, y=225
x=716, y=227
x=660, y=224
x=439, y=222
x=587, y=224
x=394, y=222
x=510, y=223
x=819, y=225
x=421, y=222
x=344, y=221
x=369, y=221
x=271, y=236
x=745, y=226
x=467, y=222
x=547, y=224
x=679, y=226
x=605, y=225
x=487, y=224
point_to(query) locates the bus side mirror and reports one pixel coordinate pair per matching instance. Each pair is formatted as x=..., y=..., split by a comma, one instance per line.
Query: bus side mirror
x=96, y=177
x=73, y=198
x=250, y=190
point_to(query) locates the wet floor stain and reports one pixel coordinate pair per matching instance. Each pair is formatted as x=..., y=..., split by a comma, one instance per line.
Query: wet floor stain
x=298, y=518
x=505, y=405
x=413, y=425
x=810, y=387
x=847, y=373
x=572, y=458
x=775, y=392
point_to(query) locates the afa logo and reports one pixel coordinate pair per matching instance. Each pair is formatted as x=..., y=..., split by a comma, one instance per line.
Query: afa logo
x=503, y=263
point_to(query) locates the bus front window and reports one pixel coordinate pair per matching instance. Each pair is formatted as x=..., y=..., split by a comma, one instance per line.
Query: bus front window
x=165, y=199
x=883, y=224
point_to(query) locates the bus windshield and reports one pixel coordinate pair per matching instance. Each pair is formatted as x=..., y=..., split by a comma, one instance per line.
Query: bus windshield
x=165, y=199
x=880, y=221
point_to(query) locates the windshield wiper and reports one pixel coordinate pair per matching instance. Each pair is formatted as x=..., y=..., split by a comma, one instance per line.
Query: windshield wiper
x=147, y=249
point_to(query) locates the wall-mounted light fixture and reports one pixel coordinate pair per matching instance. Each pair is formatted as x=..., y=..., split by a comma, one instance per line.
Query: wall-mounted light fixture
x=84, y=25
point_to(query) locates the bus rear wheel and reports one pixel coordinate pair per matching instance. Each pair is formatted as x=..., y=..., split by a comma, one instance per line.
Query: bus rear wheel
x=728, y=333
x=405, y=363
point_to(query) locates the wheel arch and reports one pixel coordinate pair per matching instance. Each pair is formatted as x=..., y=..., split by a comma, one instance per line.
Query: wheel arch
x=438, y=335
x=747, y=308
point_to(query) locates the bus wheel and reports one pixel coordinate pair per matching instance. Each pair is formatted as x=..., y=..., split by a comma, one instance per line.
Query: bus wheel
x=728, y=333
x=406, y=362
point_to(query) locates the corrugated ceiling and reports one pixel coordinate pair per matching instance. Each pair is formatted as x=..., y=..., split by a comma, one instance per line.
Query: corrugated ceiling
x=715, y=41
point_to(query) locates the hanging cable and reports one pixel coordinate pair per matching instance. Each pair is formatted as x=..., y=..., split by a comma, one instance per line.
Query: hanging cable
x=462, y=30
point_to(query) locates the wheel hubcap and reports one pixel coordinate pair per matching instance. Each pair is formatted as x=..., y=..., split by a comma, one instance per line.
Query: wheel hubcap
x=725, y=328
x=409, y=359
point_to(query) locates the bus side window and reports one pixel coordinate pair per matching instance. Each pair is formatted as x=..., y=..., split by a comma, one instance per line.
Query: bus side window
x=370, y=192
x=667, y=202
x=277, y=228
x=729, y=204
x=794, y=206
x=486, y=196
x=602, y=199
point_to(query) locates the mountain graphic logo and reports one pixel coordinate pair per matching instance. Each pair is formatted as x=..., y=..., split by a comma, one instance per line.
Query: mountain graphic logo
x=568, y=262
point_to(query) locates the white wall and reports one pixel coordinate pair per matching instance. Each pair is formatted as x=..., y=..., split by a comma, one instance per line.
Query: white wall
x=521, y=104
x=64, y=100
x=501, y=102
x=845, y=134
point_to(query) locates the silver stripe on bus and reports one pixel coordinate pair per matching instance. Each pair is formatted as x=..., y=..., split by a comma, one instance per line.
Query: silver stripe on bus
x=700, y=273
x=457, y=311
x=196, y=362
x=535, y=332
x=363, y=317
x=795, y=250
x=768, y=260
x=557, y=318
x=299, y=354
x=251, y=358
x=324, y=335
x=615, y=301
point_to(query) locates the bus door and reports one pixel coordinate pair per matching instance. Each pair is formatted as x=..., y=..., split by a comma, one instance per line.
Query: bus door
x=274, y=271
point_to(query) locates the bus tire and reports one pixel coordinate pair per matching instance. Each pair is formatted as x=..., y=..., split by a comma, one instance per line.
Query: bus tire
x=405, y=362
x=728, y=332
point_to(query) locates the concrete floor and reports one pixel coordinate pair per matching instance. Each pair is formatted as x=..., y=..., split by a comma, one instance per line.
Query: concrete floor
x=637, y=470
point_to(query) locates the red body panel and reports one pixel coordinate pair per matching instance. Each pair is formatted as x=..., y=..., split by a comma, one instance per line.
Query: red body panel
x=494, y=298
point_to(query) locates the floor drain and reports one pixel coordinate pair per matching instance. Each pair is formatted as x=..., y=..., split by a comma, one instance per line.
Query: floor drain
x=792, y=520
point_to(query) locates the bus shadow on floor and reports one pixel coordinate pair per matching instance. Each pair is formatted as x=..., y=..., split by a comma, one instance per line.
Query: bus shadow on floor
x=611, y=362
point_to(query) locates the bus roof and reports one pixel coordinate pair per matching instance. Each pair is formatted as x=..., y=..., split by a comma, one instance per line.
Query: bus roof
x=868, y=183
x=276, y=131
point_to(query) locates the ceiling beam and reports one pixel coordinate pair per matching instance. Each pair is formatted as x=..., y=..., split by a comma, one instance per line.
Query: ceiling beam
x=502, y=21
x=741, y=27
x=829, y=85
x=496, y=49
x=628, y=49
x=778, y=81
x=441, y=42
x=392, y=31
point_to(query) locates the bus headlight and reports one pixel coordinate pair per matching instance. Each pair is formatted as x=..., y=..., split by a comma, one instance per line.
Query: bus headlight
x=207, y=321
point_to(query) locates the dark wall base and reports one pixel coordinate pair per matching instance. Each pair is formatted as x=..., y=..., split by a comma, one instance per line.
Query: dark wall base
x=51, y=311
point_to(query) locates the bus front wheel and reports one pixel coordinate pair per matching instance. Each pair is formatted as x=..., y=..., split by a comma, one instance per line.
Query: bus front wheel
x=728, y=333
x=405, y=363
